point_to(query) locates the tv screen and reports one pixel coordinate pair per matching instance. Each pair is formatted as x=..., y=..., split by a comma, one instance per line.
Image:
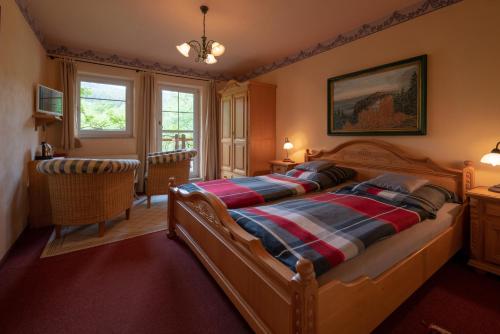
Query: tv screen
x=49, y=101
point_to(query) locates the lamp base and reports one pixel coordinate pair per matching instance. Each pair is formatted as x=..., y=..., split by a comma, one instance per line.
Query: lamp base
x=288, y=160
x=495, y=188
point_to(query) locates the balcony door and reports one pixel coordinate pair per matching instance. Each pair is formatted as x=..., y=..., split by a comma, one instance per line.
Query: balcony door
x=180, y=118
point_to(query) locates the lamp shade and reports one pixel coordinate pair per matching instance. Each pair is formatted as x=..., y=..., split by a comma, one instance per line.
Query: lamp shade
x=218, y=49
x=491, y=158
x=184, y=49
x=210, y=59
x=287, y=145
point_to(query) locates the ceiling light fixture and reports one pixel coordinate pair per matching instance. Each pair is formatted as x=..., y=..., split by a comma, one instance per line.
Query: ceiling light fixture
x=206, y=51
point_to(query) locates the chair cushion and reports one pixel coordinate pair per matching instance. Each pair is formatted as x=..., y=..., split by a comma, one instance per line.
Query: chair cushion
x=86, y=166
x=166, y=157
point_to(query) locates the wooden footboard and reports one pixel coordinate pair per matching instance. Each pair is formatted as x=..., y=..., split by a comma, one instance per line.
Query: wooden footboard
x=360, y=306
x=271, y=297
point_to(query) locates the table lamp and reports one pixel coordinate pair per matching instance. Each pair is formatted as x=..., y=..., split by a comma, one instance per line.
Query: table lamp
x=287, y=146
x=493, y=158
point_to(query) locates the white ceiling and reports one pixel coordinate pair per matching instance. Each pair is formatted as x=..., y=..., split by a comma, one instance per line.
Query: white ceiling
x=255, y=32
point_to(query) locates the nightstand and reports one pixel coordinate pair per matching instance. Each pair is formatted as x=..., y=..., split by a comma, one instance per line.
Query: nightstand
x=485, y=229
x=281, y=167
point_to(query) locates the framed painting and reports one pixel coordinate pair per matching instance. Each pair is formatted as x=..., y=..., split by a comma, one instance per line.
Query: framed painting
x=383, y=100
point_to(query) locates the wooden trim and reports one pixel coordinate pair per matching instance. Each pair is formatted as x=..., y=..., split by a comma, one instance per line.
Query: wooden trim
x=274, y=299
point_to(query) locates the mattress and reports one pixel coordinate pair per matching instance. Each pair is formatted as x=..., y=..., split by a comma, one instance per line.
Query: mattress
x=384, y=254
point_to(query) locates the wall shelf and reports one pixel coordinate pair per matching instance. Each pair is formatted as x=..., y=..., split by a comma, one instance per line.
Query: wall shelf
x=43, y=120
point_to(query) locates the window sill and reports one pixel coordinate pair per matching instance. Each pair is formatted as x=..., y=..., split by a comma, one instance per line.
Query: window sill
x=108, y=136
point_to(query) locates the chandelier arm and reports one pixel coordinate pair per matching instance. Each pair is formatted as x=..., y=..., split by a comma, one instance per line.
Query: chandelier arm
x=195, y=45
x=209, y=46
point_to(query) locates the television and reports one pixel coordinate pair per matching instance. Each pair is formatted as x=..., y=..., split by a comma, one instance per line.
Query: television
x=49, y=101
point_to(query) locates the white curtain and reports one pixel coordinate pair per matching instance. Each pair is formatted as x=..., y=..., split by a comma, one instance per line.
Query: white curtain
x=211, y=137
x=146, y=123
x=68, y=79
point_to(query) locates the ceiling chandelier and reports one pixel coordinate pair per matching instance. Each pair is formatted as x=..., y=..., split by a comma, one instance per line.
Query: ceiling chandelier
x=206, y=51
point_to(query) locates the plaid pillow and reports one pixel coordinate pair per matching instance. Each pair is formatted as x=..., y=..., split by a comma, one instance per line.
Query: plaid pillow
x=315, y=166
x=398, y=182
x=429, y=197
x=326, y=178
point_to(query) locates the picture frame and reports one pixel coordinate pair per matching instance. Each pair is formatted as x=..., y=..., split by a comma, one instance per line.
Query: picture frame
x=386, y=100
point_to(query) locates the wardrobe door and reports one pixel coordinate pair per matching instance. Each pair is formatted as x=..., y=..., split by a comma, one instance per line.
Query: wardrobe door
x=226, y=134
x=240, y=153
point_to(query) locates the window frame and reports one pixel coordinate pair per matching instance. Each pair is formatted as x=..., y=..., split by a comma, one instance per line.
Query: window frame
x=129, y=107
x=196, y=121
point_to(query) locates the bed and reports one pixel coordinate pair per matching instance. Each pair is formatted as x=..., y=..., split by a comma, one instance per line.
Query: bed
x=275, y=299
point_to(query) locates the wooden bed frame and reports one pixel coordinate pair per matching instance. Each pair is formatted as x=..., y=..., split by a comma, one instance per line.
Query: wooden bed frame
x=274, y=299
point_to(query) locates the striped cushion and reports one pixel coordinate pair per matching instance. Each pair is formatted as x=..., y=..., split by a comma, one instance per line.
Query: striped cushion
x=86, y=166
x=166, y=157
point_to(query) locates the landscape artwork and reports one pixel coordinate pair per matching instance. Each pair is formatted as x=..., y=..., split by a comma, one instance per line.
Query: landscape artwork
x=385, y=100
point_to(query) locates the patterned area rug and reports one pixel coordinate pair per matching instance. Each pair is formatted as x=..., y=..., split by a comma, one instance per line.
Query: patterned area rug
x=142, y=221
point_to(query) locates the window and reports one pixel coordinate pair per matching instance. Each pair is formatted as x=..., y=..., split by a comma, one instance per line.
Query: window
x=104, y=107
x=179, y=109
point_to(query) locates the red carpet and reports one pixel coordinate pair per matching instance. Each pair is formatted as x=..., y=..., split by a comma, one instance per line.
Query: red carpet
x=153, y=285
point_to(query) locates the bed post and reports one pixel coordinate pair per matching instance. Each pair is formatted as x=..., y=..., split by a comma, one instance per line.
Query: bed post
x=305, y=299
x=306, y=155
x=170, y=209
x=468, y=178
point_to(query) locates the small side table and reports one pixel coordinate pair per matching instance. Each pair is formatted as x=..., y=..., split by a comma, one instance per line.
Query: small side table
x=40, y=213
x=281, y=167
x=485, y=229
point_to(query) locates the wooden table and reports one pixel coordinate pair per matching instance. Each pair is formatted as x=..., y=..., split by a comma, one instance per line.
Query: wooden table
x=281, y=167
x=39, y=197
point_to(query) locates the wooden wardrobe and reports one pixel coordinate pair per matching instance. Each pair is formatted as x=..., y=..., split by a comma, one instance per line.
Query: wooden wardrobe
x=248, y=128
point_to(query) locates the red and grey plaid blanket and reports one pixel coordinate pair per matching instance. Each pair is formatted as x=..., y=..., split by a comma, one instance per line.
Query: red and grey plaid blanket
x=247, y=191
x=330, y=228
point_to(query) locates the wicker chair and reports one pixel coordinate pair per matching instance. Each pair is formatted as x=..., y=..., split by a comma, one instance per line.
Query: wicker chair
x=163, y=165
x=88, y=191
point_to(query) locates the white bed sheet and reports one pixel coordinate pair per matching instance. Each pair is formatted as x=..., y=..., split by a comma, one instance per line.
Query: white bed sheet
x=384, y=254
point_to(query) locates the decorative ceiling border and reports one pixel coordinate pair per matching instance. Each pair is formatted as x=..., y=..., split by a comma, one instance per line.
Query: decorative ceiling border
x=397, y=17
x=113, y=59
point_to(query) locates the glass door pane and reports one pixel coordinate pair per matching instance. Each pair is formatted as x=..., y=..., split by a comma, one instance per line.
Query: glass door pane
x=179, y=111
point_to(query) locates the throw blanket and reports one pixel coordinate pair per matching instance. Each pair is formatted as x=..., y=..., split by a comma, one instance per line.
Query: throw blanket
x=247, y=191
x=327, y=229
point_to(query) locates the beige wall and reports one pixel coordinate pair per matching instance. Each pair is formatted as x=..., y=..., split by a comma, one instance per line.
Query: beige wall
x=22, y=66
x=463, y=107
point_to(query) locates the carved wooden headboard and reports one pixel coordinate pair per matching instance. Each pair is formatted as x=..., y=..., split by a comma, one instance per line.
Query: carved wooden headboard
x=374, y=157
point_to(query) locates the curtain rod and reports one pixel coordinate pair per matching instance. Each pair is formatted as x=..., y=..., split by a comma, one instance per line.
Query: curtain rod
x=131, y=68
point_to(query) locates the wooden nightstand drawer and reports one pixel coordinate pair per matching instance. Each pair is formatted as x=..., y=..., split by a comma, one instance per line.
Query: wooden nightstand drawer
x=492, y=209
x=492, y=241
x=279, y=169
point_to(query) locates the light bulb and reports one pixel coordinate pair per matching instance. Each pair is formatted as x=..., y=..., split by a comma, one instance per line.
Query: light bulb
x=184, y=49
x=218, y=49
x=210, y=59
